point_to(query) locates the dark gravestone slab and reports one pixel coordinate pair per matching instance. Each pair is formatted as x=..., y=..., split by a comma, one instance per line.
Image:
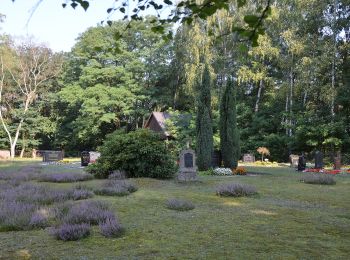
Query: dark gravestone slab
x=85, y=158
x=52, y=156
x=301, y=163
x=318, y=160
x=216, y=159
x=188, y=157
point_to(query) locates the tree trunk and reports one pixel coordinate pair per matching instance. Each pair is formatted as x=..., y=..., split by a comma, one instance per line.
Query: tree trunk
x=12, y=150
x=286, y=110
x=334, y=58
x=261, y=85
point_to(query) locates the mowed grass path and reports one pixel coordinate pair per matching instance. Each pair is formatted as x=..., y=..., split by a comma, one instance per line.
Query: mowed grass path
x=287, y=220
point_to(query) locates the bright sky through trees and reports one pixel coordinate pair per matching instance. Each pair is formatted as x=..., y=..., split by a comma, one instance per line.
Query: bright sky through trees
x=51, y=24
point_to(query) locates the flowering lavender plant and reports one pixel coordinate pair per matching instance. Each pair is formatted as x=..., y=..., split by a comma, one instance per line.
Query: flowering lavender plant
x=65, y=177
x=71, y=232
x=111, y=227
x=235, y=190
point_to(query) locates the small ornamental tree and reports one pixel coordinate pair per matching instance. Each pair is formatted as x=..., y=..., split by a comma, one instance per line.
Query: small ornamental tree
x=204, y=128
x=140, y=154
x=229, y=136
x=263, y=151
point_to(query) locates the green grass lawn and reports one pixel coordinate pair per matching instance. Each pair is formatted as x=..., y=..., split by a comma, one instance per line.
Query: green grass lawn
x=287, y=220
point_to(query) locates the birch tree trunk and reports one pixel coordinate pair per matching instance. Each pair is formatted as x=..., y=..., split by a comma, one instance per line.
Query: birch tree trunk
x=261, y=85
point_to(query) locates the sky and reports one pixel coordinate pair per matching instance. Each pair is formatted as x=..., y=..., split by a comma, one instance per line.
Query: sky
x=51, y=24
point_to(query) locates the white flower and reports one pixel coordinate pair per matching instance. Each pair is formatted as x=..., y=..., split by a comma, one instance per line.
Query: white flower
x=222, y=171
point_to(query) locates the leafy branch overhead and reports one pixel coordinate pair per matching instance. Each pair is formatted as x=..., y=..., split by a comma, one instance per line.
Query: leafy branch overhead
x=184, y=11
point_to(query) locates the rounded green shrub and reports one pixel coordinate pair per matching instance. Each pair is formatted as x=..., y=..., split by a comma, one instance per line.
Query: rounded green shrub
x=139, y=154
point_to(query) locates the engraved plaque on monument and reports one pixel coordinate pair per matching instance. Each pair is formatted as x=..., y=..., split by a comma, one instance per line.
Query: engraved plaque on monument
x=188, y=157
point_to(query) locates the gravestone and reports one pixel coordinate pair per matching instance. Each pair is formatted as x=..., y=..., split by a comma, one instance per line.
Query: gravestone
x=248, y=158
x=51, y=156
x=94, y=156
x=216, y=159
x=301, y=163
x=318, y=160
x=337, y=161
x=294, y=159
x=188, y=168
x=5, y=154
x=85, y=158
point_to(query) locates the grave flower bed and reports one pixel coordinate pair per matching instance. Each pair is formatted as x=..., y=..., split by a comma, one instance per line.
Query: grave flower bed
x=315, y=170
x=239, y=171
x=222, y=171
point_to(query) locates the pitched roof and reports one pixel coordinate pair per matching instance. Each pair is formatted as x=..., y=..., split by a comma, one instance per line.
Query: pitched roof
x=160, y=118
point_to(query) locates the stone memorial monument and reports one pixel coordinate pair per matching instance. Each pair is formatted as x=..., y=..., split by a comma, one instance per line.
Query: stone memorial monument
x=5, y=154
x=85, y=158
x=248, y=158
x=94, y=156
x=301, y=163
x=187, y=164
x=318, y=160
x=51, y=156
x=294, y=159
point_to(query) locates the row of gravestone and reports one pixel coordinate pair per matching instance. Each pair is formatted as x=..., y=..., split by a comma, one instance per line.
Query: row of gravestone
x=300, y=161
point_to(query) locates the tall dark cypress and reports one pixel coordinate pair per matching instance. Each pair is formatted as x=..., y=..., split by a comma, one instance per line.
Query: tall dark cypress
x=229, y=135
x=204, y=125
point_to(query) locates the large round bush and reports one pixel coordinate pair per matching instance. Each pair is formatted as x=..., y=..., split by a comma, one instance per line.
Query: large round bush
x=140, y=154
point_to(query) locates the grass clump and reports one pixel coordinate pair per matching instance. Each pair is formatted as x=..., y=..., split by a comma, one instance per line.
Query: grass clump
x=115, y=187
x=322, y=179
x=71, y=232
x=235, y=190
x=180, y=205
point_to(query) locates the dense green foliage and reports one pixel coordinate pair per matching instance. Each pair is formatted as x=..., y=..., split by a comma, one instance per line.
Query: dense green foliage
x=204, y=128
x=292, y=89
x=140, y=154
x=229, y=135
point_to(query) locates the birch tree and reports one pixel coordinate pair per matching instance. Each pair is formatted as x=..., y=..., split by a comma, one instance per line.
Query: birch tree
x=24, y=70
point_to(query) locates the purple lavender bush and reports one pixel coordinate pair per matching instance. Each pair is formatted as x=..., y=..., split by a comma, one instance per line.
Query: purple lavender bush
x=181, y=205
x=71, y=232
x=15, y=215
x=65, y=177
x=110, y=227
x=40, y=219
x=35, y=194
x=117, y=175
x=322, y=179
x=81, y=194
x=235, y=190
x=115, y=187
x=91, y=212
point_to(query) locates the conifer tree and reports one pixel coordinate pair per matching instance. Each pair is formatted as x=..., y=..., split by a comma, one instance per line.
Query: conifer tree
x=204, y=126
x=229, y=135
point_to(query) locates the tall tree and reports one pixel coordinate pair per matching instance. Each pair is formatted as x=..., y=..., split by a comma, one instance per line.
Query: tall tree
x=204, y=127
x=24, y=70
x=229, y=135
